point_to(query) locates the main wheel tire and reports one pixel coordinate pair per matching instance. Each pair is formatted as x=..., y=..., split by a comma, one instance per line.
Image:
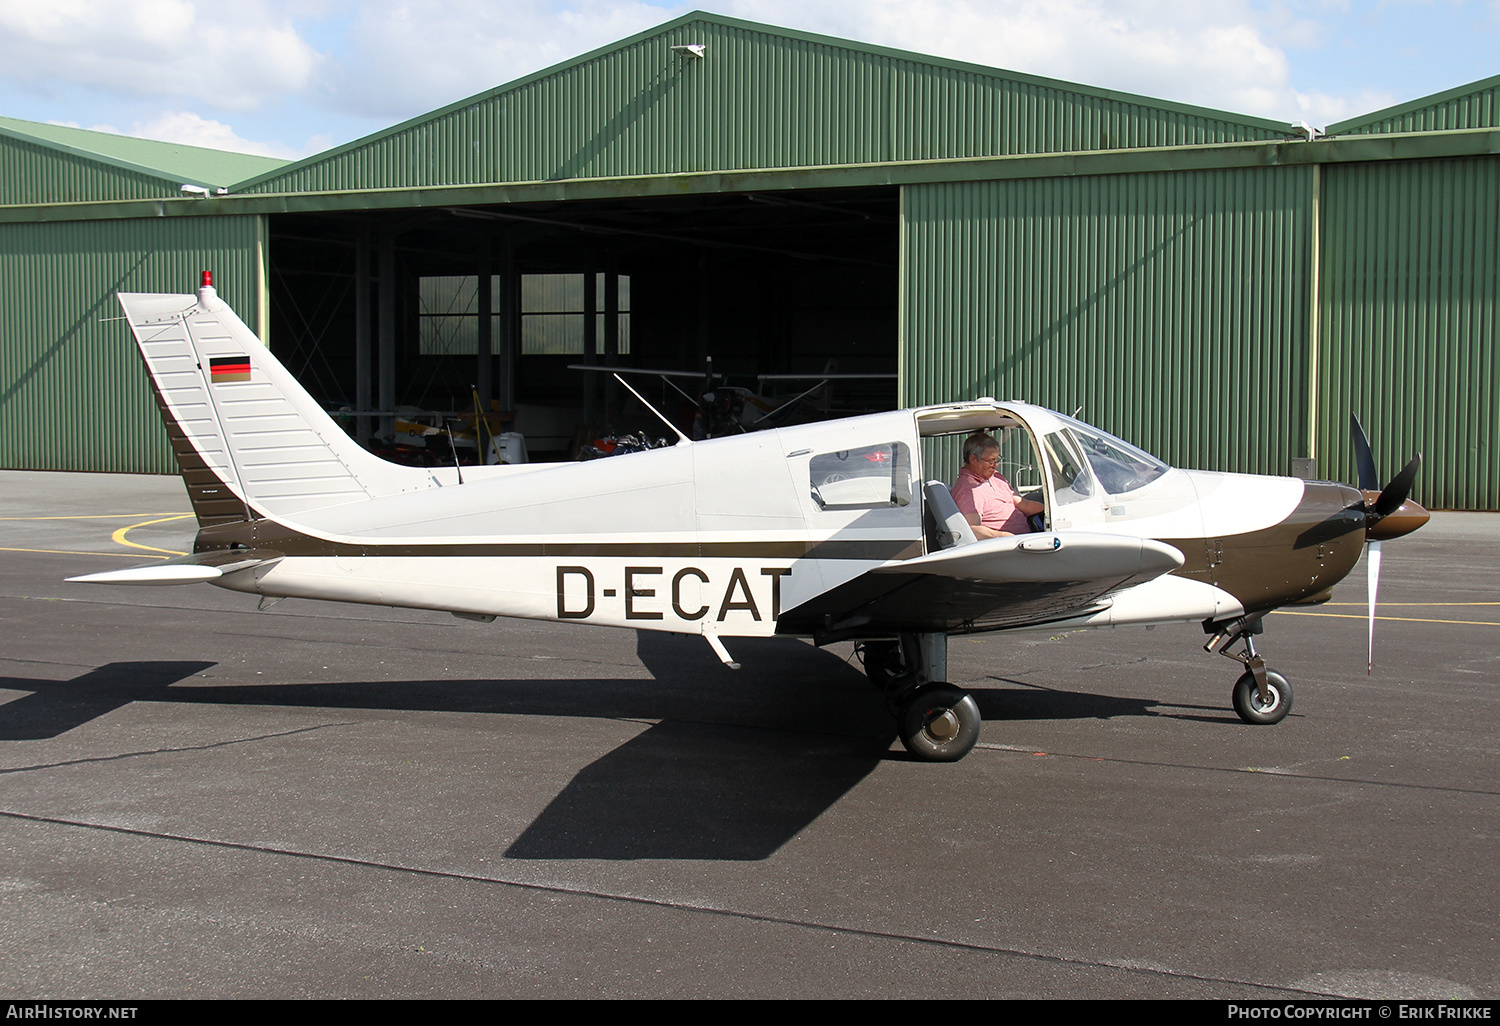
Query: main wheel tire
x=1251, y=709
x=885, y=665
x=939, y=723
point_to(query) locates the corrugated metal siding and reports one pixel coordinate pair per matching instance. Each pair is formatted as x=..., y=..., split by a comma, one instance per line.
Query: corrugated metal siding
x=1470, y=107
x=33, y=173
x=1171, y=307
x=757, y=99
x=73, y=392
x=1411, y=271
x=168, y=161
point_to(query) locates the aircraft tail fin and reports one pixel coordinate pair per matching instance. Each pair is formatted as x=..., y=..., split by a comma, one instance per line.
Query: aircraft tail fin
x=249, y=440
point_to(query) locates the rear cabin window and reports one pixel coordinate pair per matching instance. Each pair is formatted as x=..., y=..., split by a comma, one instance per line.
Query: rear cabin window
x=872, y=477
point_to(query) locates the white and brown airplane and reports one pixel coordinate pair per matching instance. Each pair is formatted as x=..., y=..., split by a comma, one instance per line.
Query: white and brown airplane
x=824, y=531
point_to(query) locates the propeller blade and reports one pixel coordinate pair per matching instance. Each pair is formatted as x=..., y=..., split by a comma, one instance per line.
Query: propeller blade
x=1396, y=492
x=1372, y=564
x=1369, y=477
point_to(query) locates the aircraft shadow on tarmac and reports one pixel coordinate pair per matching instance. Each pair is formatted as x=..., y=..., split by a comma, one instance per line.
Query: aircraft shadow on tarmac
x=1024, y=700
x=736, y=764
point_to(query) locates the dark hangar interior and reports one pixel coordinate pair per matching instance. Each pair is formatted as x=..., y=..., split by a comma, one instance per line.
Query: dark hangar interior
x=785, y=283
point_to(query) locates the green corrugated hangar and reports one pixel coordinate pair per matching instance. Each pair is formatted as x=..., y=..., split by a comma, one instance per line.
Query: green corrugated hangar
x=1220, y=289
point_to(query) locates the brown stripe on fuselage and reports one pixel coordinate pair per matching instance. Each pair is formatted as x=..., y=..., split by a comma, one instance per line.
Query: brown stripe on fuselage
x=268, y=534
x=1309, y=552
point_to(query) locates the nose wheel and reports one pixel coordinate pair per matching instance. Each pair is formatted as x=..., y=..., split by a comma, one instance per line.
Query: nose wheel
x=1261, y=696
x=1252, y=707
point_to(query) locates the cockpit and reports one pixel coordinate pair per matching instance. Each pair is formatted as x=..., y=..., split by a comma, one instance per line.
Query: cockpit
x=1083, y=476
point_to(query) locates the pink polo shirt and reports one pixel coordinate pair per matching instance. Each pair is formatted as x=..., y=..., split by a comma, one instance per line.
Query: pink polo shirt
x=993, y=500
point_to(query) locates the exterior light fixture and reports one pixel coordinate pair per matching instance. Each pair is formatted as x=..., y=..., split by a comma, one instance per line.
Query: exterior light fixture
x=692, y=51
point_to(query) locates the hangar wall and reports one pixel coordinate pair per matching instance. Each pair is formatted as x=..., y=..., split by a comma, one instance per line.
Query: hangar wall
x=1171, y=307
x=73, y=391
x=1408, y=326
x=1180, y=309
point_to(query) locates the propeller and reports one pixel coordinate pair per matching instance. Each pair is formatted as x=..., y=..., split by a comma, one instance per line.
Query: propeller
x=1388, y=514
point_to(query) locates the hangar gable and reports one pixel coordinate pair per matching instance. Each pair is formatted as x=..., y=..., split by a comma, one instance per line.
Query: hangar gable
x=757, y=97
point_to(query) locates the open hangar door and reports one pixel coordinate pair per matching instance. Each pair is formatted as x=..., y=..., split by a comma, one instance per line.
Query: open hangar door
x=384, y=314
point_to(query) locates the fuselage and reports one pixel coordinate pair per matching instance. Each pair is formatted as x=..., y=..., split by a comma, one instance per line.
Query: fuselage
x=726, y=536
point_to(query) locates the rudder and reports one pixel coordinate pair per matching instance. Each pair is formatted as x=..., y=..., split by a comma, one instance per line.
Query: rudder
x=249, y=440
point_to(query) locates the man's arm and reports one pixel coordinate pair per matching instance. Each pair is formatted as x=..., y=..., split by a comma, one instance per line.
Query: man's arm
x=981, y=532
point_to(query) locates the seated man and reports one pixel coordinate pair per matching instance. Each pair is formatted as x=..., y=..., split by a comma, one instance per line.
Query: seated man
x=984, y=497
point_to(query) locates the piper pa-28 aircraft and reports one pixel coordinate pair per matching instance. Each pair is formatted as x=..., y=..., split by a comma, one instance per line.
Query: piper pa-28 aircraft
x=824, y=531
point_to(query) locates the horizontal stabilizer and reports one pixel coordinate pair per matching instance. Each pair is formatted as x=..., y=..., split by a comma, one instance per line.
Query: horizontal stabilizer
x=192, y=569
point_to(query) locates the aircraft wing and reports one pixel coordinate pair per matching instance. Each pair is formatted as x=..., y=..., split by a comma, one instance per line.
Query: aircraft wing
x=191, y=569
x=985, y=585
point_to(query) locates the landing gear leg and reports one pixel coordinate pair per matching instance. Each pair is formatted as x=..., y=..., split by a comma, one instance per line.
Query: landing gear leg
x=937, y=721
x=1261, y=696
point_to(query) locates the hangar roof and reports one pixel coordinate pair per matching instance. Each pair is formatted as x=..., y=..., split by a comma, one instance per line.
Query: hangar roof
x=758, y=97
x=1476, y=105
x=56, y=163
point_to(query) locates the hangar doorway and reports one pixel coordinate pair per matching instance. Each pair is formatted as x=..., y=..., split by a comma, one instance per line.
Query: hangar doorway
x=384, y=315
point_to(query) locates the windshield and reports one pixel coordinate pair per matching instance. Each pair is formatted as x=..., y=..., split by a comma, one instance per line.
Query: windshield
x=1119, y=466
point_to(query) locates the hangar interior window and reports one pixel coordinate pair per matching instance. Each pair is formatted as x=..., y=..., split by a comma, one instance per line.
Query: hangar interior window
x=449, y=314
x=553, y=314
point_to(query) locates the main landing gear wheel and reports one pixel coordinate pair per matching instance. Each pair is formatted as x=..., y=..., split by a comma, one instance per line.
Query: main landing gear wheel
x=939, y=723
x=1248, y=703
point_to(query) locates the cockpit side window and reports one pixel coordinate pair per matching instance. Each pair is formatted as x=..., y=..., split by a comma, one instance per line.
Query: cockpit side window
x=1071, y=481
x=872, y=477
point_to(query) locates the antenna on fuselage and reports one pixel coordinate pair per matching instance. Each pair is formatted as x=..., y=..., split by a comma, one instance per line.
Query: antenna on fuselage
x=454, y=450
x=678, y=431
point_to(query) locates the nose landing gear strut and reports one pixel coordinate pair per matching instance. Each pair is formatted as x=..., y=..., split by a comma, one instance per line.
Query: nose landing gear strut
x=1261, y=695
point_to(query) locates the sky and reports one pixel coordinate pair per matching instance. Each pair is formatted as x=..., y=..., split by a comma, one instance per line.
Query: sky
x=289, y=78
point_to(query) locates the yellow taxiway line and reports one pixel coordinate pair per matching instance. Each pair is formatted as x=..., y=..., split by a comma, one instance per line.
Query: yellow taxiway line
x=1408, y=619
x=102, y=516
x=118, y=536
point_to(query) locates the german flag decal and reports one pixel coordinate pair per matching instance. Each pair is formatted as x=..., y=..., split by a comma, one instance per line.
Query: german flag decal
x=222, y=369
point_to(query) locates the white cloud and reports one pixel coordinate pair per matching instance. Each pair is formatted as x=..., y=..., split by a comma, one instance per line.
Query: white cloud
x=402, y=60
x=1215, y=55
x=191, y=129
x=188, y=128
x=235, y=57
